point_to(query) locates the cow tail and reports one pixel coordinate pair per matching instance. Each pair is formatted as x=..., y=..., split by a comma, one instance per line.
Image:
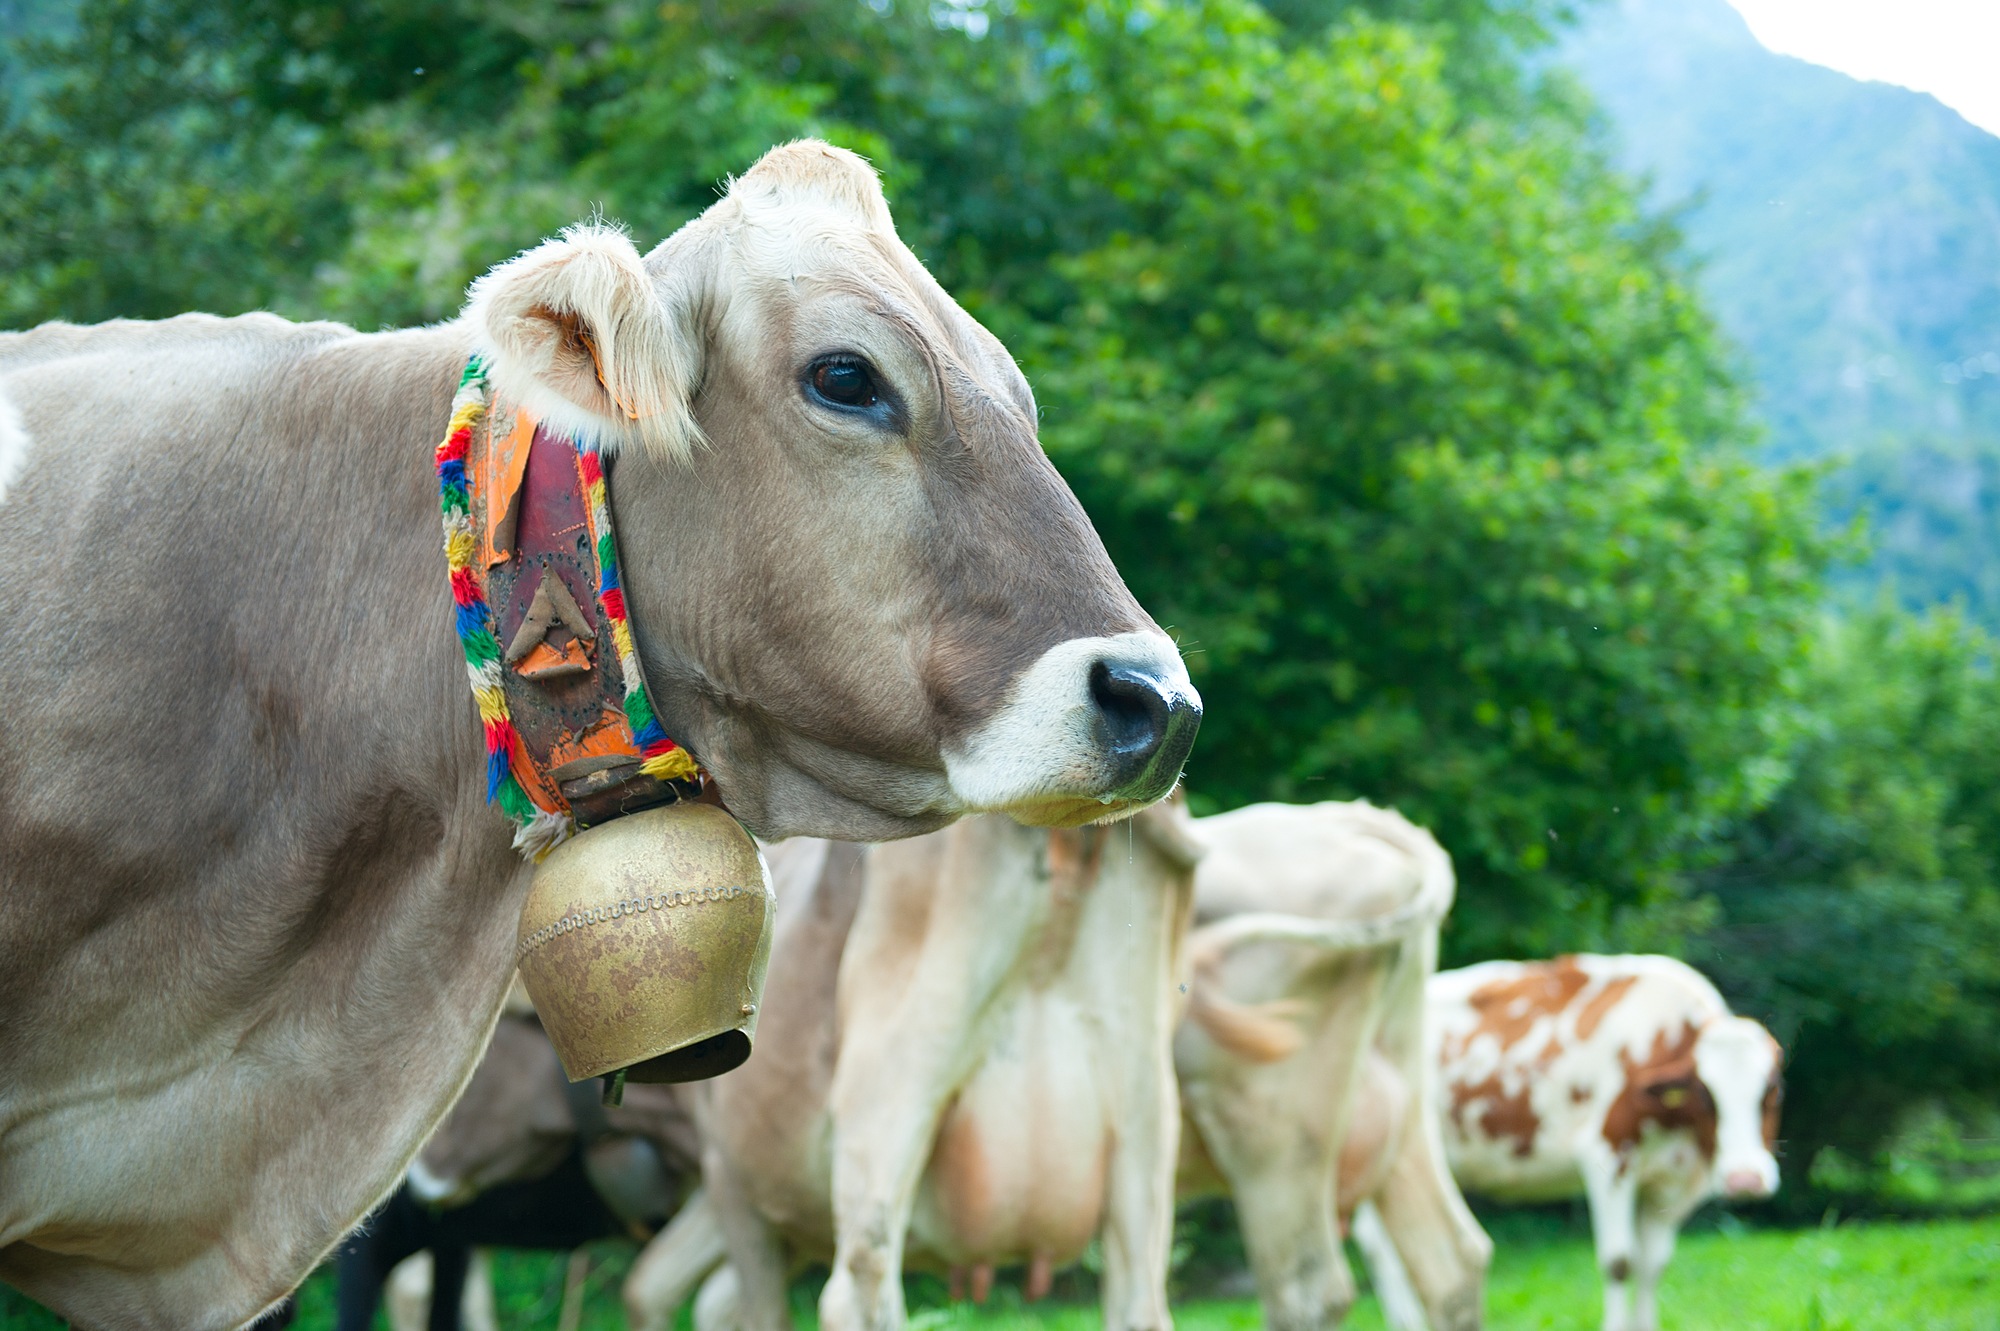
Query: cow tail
x=1259, y=1032
x=1267, y=1032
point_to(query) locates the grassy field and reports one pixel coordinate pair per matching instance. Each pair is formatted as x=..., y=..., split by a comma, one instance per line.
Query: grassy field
x=1932, y=1276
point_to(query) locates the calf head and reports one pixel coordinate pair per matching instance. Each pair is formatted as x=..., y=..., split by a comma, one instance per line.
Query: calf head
x=863, y=596
x=1739, y=1064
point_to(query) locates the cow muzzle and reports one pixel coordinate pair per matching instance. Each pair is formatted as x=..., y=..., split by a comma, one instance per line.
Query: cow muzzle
x=1748, y=1184
x=644, y=945
x=1095, y=729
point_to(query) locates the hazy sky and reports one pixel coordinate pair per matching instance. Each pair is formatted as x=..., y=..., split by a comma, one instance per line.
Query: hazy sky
x=1947, y=48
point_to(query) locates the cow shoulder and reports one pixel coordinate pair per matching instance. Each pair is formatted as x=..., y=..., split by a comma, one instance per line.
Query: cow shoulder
x=1659, y=1089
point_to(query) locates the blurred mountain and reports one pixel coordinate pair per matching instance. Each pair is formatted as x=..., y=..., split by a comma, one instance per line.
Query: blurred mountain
x=27, y=21
x=1850, y=239
x=1851, y=230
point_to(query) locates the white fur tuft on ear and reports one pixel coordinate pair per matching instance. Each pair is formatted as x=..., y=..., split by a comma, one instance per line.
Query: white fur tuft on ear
x=813, y=172
x=576, y=332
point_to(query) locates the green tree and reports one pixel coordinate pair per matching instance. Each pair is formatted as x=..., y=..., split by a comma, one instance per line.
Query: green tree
x=1406, y=421
x=1858, y=913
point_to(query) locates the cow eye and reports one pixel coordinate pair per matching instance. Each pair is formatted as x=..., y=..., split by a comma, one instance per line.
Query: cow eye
x=844, y=382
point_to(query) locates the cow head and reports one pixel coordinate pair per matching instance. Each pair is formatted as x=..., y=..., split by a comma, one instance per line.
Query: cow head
x=863, y=596
x=1737, y=1064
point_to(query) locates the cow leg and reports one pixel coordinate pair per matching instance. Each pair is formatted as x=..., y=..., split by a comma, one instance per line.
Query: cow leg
x=883, y=1137
x=1283, y=1184
x=366, y=1257
x=1656, y=1249
x=672, y=1267
x=357, y=1284
x=479, y=1314
x=1402, y=1310
x=1138, y=1229
x=451, y=1263
x=1444, y=1251
x=1660, y=1221
x=906, y=1048
x=450, y=1286
x=406, y=1294
x=757, y=1270
x=719, y=1305
x=1443, y=1248
x=1613, y=1191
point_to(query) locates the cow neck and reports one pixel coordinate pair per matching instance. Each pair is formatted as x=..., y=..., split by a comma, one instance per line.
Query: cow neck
x=572, y=739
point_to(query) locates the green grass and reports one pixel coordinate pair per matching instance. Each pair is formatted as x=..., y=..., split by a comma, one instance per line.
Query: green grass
x=1941, y=1275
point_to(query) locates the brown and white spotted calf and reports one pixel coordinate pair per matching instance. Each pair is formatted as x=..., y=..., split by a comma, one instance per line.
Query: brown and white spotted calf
x=1623, y=1078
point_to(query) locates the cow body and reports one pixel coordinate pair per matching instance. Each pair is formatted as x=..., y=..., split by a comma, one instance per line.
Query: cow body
x=963, y=1062
x=1621, y=1078
x=1302, y=1061
x=257, y=916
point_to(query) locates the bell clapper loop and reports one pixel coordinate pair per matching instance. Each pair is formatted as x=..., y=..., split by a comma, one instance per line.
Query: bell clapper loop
x=614, y=1089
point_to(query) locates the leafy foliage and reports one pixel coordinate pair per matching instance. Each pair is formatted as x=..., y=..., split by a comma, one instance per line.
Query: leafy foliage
x=1860, y=912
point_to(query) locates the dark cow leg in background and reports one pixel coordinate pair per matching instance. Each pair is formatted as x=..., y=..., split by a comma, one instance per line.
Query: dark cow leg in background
x=367, y=1256
x=450, y=1261
x=559, y=1211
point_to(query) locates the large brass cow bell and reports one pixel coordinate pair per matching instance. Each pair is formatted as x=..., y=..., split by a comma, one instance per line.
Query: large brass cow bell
x=644, y=944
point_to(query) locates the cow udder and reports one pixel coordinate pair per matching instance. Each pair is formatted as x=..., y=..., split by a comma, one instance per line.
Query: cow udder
x=1019, y=1165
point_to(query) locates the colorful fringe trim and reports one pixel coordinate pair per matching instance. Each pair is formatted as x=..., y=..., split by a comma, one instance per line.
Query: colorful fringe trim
x=539, y=830
x=663, y=759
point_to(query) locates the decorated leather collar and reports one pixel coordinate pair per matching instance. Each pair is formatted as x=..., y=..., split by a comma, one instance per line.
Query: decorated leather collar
x=571, y=736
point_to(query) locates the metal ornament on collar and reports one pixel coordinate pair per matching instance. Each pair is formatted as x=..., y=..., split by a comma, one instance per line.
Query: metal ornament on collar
x=644, y=939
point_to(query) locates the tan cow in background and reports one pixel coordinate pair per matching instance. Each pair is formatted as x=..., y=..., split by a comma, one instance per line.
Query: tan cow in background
x=964, y=1056
x=1300, y=1057
x=1625, y=1079
x=1302, y=1062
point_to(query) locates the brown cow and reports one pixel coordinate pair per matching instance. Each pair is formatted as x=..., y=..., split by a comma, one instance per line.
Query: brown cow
x=256, y=913
x=1302, y=1061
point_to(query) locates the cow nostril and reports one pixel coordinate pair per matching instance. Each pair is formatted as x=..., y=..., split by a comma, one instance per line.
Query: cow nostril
x=1133, y=705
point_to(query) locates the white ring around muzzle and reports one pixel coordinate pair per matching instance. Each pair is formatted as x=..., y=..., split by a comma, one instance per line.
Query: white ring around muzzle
x=1059, y=739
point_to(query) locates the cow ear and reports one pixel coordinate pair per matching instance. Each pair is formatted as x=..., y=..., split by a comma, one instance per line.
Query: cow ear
x=579, y=334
